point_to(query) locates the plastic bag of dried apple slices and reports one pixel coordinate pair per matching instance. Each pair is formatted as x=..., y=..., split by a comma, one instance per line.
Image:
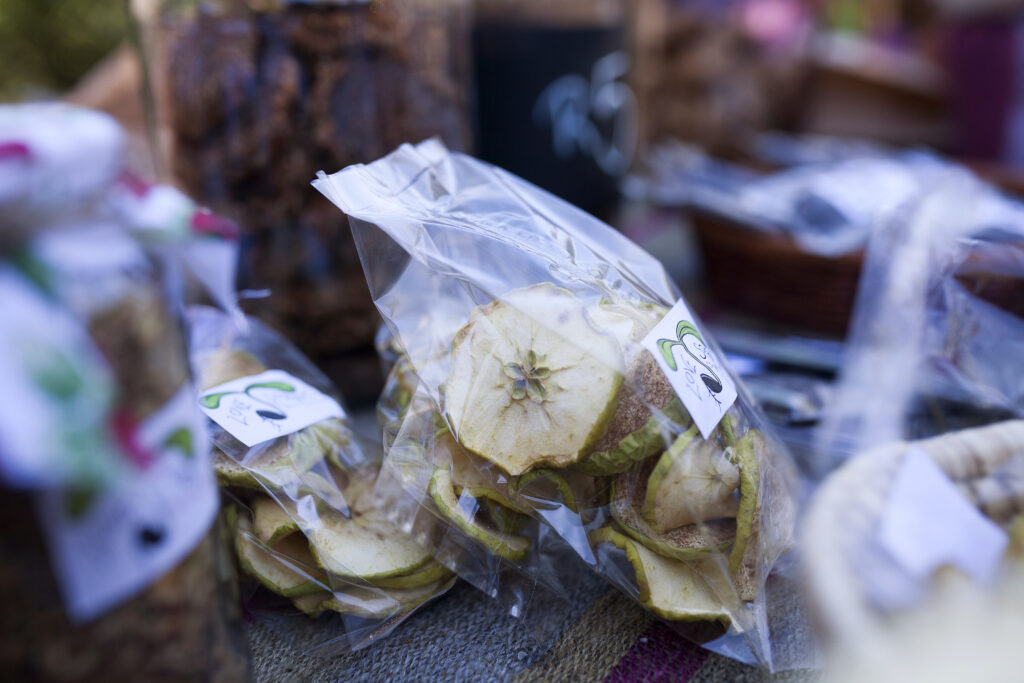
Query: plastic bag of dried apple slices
x=332, y=573
x=468, y=512
x=565, y=374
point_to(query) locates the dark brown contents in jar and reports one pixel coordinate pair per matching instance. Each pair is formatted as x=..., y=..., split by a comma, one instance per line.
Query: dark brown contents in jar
x=260, y=102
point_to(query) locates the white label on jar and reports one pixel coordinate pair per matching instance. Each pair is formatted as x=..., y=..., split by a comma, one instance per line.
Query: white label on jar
x=692, y=368
x=58, y=388
x=109, y=546
x=265, y=406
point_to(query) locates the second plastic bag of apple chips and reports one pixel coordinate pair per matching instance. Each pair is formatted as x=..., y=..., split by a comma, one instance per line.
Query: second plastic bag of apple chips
x=561, y=362
x=307, y=526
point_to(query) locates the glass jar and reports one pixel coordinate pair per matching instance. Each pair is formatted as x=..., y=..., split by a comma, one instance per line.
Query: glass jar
x=254, y=97
x=124, y=579
x=111, y=560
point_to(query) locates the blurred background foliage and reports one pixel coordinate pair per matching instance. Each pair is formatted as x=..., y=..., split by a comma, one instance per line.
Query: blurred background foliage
x=47, y=45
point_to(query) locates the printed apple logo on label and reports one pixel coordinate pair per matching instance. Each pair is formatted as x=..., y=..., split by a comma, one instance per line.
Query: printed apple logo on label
x=274, y=413
x=692, y=367
x=261, y=407
x=689, y=338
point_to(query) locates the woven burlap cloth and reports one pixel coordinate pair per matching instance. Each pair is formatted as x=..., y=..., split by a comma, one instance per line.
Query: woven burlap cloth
x=467, y=636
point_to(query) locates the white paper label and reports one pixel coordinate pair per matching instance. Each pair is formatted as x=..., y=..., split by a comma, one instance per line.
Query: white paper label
x=58, y=390
x=929, y=523
x=118, y=543
x=265, y=406
x=694, y=371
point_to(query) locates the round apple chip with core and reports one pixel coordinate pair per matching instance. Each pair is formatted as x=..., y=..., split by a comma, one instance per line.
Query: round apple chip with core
x=531, y=381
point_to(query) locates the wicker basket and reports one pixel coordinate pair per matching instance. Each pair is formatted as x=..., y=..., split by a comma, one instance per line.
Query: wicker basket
x=849, y=505
x=768, y=276
x=771, y=278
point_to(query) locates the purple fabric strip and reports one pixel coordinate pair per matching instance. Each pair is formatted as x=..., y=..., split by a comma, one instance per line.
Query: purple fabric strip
x=659, y=655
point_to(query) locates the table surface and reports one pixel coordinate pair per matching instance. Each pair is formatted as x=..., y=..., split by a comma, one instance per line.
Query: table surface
x=465, y=635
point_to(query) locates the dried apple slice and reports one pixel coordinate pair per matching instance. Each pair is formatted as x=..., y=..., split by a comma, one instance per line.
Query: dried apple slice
x=356, y=485
x=628, y=320
x=504, y=519
x=531, y=382
x=223, y=365
x=313, y=604
x=505, y=545
x=273, y=459
x=547, y=488
x=370, y=603
x=645, y=385
x=429, y=573
x=399, y=388
x=272, y=521
x=668, y=588
x=283, y=462
x=330, y=438
x=689, y=542
x=648, y=414
x=693, y=481
x=287, y=568
x=647, y=441
x=750, y=451
x=349, y=491
x=231, y=474
x=472, y=475
x=364, y=546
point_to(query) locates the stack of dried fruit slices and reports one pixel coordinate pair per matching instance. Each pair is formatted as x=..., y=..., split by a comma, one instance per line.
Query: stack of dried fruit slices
x=550, y=401
x=309, y=529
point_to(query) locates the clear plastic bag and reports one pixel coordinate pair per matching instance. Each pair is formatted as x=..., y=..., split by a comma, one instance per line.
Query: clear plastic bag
x=307, y=525
x=919, y=531
x=937, y=327
x=827, y=207
x=525, y=322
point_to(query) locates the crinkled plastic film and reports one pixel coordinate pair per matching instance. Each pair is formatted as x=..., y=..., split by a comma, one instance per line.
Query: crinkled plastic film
x=936, y=335
x=335, y=574
x=522, y=317
x=828, y=206
x=933, y=367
